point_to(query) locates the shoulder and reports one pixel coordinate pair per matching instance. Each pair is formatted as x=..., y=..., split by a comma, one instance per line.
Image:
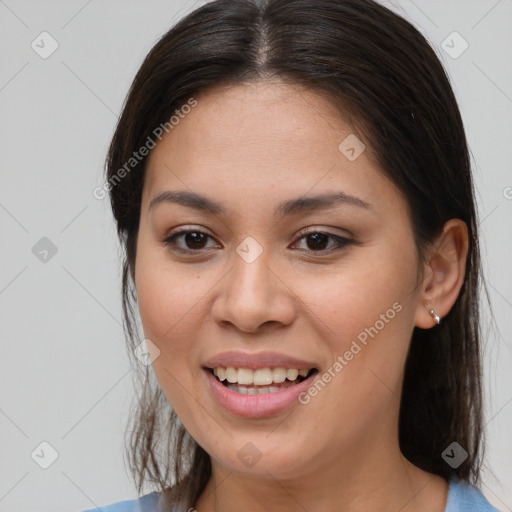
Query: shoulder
x=146, y=503
x=463, y=497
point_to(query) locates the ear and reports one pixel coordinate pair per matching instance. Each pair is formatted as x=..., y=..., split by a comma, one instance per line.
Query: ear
x=443, y=273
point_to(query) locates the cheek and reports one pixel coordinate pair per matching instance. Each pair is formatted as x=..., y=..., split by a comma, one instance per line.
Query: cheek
x=165, y=296
x=170, y=312
x=355, y=296
x=365, y=314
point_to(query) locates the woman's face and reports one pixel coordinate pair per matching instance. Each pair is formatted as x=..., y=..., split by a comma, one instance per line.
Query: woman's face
x=276, y=274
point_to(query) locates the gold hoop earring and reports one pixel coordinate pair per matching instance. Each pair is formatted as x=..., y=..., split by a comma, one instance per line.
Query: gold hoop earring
x=435, y=316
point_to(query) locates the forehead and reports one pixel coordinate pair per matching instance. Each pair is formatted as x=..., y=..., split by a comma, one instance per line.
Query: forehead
x=269, y=138
x=246, y=120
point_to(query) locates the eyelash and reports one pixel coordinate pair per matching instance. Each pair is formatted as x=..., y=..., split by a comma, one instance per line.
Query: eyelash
x=342, y=241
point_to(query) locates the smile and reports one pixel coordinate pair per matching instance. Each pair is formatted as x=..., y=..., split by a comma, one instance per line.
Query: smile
x=274, y=396
x=261, y=381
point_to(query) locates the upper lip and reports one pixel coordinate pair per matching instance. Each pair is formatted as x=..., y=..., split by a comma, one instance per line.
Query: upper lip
x=255, y=360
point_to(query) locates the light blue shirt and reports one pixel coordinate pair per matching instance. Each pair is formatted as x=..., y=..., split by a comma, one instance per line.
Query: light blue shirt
x=462, y=497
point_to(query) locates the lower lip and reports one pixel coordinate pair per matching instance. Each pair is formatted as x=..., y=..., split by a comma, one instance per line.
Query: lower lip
x=257, y=406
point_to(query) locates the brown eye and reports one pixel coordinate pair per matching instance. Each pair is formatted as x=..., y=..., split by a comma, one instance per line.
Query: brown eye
x=318, y=242
x=192, y=240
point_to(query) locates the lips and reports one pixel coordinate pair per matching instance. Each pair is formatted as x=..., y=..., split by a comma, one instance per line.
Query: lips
x=256, y=405
x=254, y=400
x=254, y=361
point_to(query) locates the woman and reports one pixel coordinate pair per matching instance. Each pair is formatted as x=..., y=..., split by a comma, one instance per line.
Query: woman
x=291, y=184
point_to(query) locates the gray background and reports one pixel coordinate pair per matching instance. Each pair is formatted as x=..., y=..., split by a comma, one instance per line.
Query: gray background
x=64, y=370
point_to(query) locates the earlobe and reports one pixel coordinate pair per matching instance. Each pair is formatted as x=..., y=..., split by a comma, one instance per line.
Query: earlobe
x=435, y=316
x=444, y=274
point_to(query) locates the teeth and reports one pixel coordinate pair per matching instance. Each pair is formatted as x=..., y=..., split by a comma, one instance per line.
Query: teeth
x=259, y=377
x=279, y=375
x=245, y=376
x=260, y=390
x=231, y=375
x=292, y=374
x=262, y=377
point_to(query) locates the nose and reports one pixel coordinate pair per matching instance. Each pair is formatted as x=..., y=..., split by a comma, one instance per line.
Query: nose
x=254, y=294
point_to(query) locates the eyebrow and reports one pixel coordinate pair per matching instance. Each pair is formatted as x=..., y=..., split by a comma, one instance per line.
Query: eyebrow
x=304, y=204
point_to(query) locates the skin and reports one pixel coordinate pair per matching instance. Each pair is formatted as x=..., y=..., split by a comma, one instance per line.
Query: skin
x=250, y=147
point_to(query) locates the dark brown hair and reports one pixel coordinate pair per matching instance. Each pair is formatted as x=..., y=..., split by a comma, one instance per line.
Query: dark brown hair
x=389, y=84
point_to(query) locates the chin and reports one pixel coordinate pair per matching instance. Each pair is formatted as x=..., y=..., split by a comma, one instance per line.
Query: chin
x=263, y=460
